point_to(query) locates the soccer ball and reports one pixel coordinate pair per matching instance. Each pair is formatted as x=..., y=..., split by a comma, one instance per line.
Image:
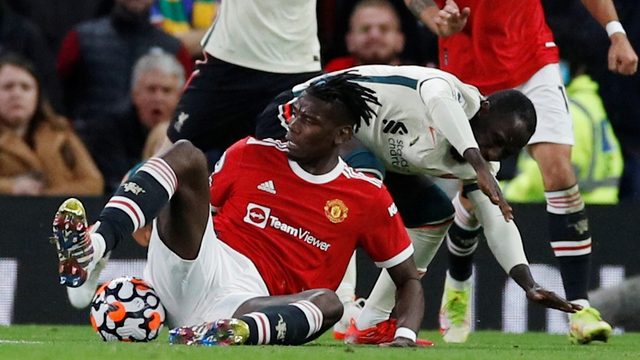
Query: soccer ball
x=127, y=309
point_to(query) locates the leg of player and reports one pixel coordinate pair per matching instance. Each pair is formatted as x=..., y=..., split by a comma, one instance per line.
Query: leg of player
x=427, y=213
x=277, y=320
x=570, y=237
x=135, y=204
x=347, y=294
x=455, y=308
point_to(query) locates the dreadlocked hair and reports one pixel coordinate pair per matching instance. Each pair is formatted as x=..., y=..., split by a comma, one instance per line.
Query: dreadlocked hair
x=342, y=89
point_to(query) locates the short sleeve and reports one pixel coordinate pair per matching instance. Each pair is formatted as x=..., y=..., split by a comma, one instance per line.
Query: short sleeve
x=385, y=238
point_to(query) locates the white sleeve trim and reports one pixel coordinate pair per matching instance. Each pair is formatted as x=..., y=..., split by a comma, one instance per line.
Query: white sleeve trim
x=402, y=256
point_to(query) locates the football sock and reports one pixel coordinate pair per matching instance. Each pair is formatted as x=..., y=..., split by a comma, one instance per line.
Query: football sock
x=570, y=240
x=461, y=244
x=293, y=324
x=426, y=241
x=347, y=289
x=380, y=303
x=462, y=241
x=136, y=202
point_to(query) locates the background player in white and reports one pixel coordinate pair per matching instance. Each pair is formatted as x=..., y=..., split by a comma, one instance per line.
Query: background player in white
x=253, y=51
x=289, y=215
x=429, y=122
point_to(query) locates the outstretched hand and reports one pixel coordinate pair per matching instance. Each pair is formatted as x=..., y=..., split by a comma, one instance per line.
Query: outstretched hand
x=450, y=20
x=550, y=300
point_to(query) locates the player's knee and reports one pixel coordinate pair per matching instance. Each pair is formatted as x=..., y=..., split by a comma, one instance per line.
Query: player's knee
x=185, y=159
x=330, y=305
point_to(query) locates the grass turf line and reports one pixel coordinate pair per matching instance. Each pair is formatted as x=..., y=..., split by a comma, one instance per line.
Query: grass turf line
x=53, y=342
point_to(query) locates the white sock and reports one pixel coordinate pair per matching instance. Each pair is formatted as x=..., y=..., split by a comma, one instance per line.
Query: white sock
x=99, y=247
x=380, y=303
x=347, y=289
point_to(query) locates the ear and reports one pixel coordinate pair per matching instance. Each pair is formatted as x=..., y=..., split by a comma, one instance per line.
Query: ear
x=345, y=133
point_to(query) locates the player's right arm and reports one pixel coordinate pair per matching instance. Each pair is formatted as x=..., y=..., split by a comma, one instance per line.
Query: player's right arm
x=385, y=239
x=442, y=22
x=622, y=58
x=410, y=303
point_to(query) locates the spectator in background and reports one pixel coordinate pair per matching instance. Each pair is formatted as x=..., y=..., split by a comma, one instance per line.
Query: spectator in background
x=97, y=57
x=19, y=35
x=57, y=17
x=155, y=91
x=375, y=36
x=420, y=44
x=39, y=152
x=188, y=20
x=596, y=156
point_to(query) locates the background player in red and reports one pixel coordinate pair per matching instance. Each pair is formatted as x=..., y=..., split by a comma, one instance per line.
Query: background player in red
x=285, y=212
x=494, y=45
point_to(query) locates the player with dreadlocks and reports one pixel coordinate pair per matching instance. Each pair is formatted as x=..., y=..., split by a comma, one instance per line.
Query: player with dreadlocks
x=431, y=123
x=289, y=214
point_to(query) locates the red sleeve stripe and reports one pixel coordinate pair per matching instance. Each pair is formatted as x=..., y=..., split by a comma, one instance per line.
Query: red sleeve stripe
x=163, y=173
x=312, y=313
x=130, y=208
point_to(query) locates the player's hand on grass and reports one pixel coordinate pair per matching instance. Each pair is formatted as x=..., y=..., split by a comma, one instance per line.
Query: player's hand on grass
x=550, y=300
x=400, y=342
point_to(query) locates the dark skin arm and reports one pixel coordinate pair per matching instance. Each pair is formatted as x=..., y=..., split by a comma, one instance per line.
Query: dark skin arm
x=410, y=300
x=521, y=274
x=487, y=183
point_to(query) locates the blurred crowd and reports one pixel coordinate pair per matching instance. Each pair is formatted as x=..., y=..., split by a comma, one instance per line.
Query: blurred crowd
x=89, y=87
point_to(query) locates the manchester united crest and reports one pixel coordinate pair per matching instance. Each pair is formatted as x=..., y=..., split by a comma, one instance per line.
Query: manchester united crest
x=336, y=211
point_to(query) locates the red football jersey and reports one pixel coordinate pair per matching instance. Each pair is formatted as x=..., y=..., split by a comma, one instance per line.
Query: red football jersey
x=300, y=230
x=502, y=45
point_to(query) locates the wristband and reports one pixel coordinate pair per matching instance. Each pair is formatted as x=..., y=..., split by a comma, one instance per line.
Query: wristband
x=614, y=27
x=406, y=333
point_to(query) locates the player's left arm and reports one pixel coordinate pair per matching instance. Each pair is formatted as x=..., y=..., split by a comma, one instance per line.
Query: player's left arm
x=409, y=304
x=622, y=58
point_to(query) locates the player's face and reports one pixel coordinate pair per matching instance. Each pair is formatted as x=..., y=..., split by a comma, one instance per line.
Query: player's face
x=18, y=96
x=498, y=143
x=313, y=134
x=374, y=36
x=155, y=96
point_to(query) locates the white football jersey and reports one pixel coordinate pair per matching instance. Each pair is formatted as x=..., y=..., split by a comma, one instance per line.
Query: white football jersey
x=424, y=113
x=278, y=36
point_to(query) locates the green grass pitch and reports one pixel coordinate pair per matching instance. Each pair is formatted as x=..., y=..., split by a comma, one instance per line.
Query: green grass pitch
x=53, y=342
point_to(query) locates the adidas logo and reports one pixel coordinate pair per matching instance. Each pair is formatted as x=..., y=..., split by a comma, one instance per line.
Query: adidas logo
x=268, y=187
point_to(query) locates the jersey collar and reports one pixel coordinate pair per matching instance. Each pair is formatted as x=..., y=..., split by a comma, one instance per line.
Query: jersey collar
x=318, y=179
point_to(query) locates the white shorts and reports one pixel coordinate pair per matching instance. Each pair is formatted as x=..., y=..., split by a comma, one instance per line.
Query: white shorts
x=546, y=91
x=208, y=288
